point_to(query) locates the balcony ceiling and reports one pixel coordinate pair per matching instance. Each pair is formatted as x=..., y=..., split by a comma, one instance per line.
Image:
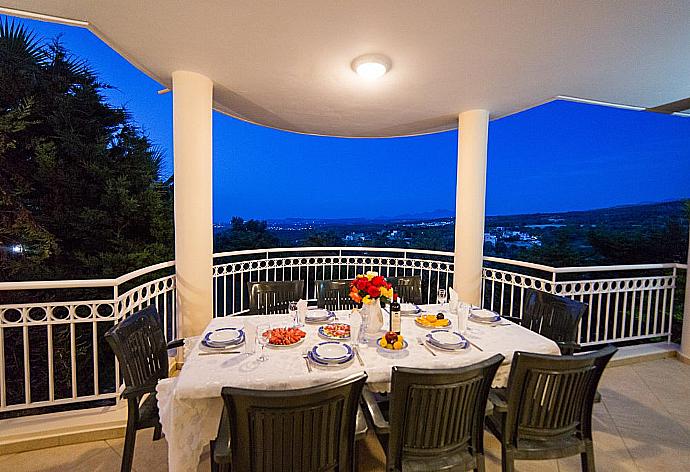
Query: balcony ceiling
x=287, y=64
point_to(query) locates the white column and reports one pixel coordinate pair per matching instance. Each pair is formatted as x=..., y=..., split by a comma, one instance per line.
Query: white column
x=192, y=139
x=473, y=134
x=685, y=339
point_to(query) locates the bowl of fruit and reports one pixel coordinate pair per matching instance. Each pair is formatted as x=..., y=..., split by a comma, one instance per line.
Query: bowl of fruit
x=392, y=343
x=432, y=321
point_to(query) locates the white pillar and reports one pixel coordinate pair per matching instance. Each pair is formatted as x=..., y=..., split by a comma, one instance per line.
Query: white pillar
x=473, y=134
x=192, y=139
x=685, y=336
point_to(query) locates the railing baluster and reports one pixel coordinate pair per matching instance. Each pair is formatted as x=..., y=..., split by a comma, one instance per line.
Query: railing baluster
x=27, y=365
x=73, y=351
x=639, y=312
x=94, y=340
x=3, y=390
x=632, y=312
x=673, y=294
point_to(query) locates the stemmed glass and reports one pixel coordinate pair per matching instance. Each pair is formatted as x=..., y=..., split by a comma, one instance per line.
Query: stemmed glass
x=263, y=334
x=442, y=297
x=292, y=309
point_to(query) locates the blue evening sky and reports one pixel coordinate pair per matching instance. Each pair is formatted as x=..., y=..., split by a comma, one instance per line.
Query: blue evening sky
x=559, y=156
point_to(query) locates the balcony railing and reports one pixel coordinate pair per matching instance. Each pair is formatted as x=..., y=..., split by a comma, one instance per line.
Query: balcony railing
x=52, y=351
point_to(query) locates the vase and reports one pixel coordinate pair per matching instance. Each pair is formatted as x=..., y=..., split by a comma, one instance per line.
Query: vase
x=374, y=317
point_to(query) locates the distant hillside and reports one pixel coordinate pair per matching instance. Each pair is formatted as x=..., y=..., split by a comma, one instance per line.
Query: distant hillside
x=647, y=214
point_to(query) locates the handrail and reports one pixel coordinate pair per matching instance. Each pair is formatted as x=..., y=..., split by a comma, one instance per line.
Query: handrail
x=94, y=283
x=332, y=248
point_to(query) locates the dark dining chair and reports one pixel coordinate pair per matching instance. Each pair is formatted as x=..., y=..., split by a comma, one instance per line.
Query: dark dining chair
x=546, y=411
x=310, y=429
x=139, y=345
x=407, y=288
x=269, y=298
x=557, y=318
x=334, y=295
x=435, y=418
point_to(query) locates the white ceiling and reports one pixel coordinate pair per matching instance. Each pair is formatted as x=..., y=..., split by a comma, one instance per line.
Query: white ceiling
x=286, y=64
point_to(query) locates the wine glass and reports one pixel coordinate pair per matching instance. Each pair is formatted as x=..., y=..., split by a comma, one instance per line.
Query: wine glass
x=263, y=335
x=292, y=309
x=442, y=297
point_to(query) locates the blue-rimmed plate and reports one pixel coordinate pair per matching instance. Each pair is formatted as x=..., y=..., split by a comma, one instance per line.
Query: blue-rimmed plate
x=409, y=309
x=332, y=352
x=446, y=339
x=321, y=363
x=319, y=316
x=335, y=331
x=224, y=337
x=484, y=316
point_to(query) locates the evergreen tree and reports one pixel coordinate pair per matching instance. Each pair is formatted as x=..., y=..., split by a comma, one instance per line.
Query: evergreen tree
x=80, y=194
x=242, y=235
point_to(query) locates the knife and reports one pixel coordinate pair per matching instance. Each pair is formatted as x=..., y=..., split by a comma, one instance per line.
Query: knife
x=206, y=353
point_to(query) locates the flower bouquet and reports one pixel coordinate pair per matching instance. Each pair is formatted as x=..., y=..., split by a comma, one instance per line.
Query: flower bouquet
x=371, y=289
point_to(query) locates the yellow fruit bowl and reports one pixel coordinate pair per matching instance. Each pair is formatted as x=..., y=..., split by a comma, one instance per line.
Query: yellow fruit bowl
x=431, y=322
x=398, y=345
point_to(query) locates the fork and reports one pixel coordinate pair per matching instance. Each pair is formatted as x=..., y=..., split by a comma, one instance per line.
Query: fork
x=305, y=355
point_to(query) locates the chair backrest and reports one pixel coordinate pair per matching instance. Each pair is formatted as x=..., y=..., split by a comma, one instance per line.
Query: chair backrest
x=407, y=288
x=551, y=397
x=139, y=344
x=438, y=411
x=268, y=298
x=554, y=317
x=334, y=295
x=311, y=429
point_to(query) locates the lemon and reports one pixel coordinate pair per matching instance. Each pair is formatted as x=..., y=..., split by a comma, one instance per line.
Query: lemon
x=383, y=342
x=389, y=346
x=397, y=345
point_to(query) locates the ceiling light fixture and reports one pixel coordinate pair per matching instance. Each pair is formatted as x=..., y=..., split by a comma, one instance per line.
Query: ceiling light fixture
x=371, y=66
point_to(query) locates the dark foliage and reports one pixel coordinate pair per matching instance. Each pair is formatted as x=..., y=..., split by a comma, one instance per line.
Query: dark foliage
x=79, y=182
x=251, y=234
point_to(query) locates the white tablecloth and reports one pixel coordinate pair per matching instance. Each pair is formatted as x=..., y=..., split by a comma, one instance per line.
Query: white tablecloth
x=190, y=404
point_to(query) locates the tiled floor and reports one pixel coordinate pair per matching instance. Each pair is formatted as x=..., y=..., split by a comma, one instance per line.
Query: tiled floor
x=643, y=424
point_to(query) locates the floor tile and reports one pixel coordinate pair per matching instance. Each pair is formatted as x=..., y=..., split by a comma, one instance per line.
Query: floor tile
x=642, y=425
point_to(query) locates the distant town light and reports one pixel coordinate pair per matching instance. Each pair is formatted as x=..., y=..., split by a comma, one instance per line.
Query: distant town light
x=371, y=66
x=17, y=249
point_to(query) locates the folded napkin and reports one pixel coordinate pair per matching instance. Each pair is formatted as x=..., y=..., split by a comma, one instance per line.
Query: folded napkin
x=302, y=307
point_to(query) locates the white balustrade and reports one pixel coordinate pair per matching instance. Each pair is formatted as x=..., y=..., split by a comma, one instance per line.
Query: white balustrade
x=624, y=303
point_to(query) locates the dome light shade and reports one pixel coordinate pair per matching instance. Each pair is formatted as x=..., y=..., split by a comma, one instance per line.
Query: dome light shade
x=371, y=66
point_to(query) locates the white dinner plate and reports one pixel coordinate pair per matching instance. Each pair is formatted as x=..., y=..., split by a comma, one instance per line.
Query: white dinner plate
x=332, y=351
x=225, y=336
x=447, y=339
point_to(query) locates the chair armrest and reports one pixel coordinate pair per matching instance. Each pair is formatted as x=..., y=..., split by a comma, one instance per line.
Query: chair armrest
x=568, y=348
x=372, y=408
x=175, y=343
x=136, y=392
x=222, y=454
x=497, y=396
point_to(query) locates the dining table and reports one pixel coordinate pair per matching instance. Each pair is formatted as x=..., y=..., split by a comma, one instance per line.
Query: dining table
x=190, y=403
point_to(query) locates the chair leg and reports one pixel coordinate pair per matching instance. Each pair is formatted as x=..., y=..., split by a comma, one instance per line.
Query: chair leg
x=481, y=466
x=128, y=450
x=507, y=461
x=587, y=458
x=157, y=432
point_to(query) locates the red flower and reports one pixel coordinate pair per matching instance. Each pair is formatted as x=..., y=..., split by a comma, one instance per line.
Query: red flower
x=361, y=283
x=373, y=291
x=378, y=281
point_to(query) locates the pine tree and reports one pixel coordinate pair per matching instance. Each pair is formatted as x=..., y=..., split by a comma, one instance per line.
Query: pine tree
x=80, y=189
